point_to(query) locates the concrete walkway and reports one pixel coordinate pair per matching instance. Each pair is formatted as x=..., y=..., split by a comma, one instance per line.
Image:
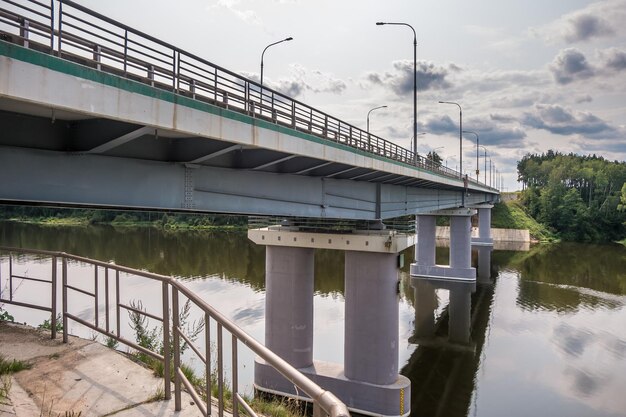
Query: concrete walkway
x=81, y=376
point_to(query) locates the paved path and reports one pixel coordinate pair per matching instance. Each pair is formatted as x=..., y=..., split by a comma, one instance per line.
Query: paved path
x=81, y=376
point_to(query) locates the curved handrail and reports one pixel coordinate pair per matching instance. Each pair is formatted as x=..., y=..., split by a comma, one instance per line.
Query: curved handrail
x=326, y=400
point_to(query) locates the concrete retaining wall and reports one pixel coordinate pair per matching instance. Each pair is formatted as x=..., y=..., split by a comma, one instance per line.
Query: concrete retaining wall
x=498, y=235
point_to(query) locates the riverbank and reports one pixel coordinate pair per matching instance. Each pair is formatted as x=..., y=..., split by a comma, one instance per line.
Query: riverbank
x=81, y=377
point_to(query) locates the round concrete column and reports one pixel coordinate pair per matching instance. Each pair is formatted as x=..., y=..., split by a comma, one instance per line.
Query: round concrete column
x=371, y=322
x=289, y=303
x=426, y=234
x=460, y=242
x=459, y=311
x=484, y=223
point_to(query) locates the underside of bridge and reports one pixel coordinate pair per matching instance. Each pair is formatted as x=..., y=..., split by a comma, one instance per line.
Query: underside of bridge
x=93, y=144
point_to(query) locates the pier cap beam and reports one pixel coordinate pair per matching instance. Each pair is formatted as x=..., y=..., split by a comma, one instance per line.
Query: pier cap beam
x=380, y=241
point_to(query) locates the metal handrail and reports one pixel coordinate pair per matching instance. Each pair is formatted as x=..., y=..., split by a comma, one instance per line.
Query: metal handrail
x=132, y=53
x=322, y=400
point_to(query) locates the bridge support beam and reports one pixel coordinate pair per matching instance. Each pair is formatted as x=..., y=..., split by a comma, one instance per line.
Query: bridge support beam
x=368, y=381
x=460, y=267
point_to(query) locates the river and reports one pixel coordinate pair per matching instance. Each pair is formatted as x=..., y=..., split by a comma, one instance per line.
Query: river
x=548, y=333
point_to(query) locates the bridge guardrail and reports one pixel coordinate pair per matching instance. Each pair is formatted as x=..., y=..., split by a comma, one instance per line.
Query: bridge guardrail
x=172, y=293
x=89, y=38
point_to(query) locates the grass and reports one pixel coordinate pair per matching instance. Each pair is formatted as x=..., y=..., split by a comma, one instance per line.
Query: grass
x=8, y=367
x=12, y=366
x=512, y=215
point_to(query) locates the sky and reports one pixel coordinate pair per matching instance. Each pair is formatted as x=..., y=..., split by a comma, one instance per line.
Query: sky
x=530, y=75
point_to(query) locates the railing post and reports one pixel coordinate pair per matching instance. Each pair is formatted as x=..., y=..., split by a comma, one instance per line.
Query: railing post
x=192, y=88
x=235, y=382
x=24, y=32
x=293, y=114
x=52, y=26
x=10, y=276
x=220, y=372
x=64, y=272
x=117, y=303
x=97, y=56
x=60, y=32
x=207, y=355
x=53, y=303
x=125, y=50
x=215, y=85
x=175, y=65
x=106, y=300
x=151, y=74
x=166, y=341
x=95, y=295
x=176, y=347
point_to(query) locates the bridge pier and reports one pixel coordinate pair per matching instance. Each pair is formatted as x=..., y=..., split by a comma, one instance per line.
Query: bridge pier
x=289, y=303
x=460, y=267
x=368, y=380
x=484, y=225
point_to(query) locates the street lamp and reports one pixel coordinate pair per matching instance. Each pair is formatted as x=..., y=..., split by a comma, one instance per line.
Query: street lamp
x=414, y=80
x=368, y=117
x=485, y=158
x=263, y=53
x=460, y=133
x=477, y=145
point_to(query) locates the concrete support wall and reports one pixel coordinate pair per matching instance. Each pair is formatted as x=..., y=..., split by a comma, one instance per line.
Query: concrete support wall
x=460, y=242
x=371, y=322
x=289, y=303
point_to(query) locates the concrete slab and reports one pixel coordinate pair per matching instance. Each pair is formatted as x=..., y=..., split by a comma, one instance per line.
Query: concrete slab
x=80, y=376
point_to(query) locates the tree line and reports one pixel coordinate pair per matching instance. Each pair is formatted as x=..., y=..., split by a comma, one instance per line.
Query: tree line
x=582, y=198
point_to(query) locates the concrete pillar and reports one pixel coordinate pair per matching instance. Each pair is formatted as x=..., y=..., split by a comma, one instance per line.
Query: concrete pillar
x=460, y=242
x=289, y=303
x=371, y=322
x=459, y=312
x=426, y=235
x=484, y=224
x=425, y=306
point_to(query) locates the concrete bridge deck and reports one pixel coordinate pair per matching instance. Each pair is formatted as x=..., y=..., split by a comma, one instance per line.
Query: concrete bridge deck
x=94, y=123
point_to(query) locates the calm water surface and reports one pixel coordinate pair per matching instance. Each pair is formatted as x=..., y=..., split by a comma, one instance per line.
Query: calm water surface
x=548, y=334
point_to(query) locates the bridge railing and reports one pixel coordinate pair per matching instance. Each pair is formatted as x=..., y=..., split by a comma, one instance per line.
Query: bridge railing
x=103, y=283
x=89, y=38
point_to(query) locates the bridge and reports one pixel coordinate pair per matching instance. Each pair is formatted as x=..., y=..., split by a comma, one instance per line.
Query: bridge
x=97, y=114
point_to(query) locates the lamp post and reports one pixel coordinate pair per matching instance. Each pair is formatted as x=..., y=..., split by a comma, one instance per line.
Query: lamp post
x=477, y=146
x=485, y=158
x=460, y=132
x=263, y=53
x=368, y=117
x=414, y=80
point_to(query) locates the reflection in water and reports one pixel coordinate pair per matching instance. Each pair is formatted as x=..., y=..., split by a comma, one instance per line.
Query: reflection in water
x=442, y=368
x=544, y=334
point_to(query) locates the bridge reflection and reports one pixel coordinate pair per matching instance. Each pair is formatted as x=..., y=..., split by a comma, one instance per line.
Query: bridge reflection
x=450, y=341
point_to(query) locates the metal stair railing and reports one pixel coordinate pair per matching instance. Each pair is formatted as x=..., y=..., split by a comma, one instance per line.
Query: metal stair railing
x=106, y=279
